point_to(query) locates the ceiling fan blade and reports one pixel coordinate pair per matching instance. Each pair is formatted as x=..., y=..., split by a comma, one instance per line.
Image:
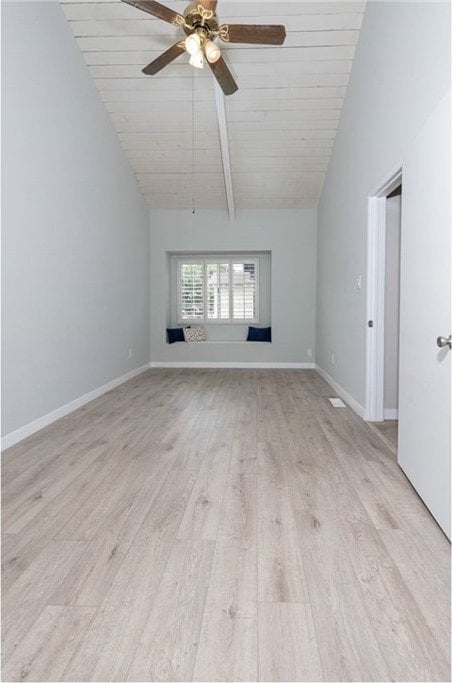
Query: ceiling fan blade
x=253, y=33
x=157, y=10
x=164, y=59
x=224, y=77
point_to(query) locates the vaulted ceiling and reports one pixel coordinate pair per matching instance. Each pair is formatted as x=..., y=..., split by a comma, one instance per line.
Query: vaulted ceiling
x=266, y=146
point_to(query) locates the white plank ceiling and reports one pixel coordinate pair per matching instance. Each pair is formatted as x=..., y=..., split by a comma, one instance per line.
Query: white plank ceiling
x=280, y=124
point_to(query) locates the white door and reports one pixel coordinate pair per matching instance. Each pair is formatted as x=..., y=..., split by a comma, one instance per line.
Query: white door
x=425, y=313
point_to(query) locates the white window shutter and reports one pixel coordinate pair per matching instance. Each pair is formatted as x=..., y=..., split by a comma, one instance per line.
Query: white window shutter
x=244, y=291
x=191, y=291
x=217, y=291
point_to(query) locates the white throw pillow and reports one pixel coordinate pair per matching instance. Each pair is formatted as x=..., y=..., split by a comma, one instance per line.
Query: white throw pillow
x=195, y=334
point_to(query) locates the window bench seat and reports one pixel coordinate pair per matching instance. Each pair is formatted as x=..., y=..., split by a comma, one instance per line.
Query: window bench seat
x=223, y=341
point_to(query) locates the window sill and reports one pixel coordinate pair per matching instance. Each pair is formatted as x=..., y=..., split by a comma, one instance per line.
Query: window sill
x=233, y=341
x=206, y=323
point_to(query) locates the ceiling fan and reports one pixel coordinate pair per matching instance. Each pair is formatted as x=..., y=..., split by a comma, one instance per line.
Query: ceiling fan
x=200, y=24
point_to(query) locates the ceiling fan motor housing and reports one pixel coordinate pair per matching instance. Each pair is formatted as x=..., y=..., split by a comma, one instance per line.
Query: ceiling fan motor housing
x=196, y=22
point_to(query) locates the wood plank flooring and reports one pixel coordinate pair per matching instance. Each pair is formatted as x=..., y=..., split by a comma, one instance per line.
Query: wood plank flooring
x=389, y=430
x=218, y=525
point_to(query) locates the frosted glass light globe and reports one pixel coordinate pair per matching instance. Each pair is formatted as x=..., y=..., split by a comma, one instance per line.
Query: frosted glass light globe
x=192, y=43
x=213, y=52
x=197, y=60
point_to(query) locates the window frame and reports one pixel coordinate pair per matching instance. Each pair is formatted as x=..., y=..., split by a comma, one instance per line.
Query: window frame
x=217, y=259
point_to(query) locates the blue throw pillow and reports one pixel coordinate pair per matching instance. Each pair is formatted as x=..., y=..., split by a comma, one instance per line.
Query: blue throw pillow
x=259, y=334
x=175, y=335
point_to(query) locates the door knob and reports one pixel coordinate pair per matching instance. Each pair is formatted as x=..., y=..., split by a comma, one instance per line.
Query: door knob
x=444, y=341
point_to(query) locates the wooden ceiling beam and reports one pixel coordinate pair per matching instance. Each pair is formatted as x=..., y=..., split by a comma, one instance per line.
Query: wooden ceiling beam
x=224, y=144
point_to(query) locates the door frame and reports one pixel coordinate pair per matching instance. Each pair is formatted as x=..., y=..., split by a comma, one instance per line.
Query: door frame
x=375, y=304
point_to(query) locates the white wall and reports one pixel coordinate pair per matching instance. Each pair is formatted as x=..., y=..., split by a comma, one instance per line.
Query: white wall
x=289, y=235
x=400, y=73
x=75, y=227
x=392, y=299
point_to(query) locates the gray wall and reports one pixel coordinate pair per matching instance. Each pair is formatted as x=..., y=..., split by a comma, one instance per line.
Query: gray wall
x=75, y=228
x=289, y=235
x=401, y=71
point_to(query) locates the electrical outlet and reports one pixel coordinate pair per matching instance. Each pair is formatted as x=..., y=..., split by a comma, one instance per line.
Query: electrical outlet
x=309, y=352
x=130, y=353
x=333, y=359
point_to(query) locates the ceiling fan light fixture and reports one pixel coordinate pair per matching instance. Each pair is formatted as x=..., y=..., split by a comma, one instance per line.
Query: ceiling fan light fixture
x=202, y=27
x=193, y=44
x=197, y=60
x=213, y=52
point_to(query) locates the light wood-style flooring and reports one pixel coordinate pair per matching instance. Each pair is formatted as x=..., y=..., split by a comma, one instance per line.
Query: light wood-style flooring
x=389, y=431
x=218, y=525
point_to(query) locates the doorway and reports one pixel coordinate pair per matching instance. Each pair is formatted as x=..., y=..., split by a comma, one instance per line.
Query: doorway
x=383, y=297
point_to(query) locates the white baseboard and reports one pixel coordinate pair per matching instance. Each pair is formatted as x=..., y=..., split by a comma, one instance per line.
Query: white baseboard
x=232, y=364
x=359, y=410
x=32, y=427
x=391, y=414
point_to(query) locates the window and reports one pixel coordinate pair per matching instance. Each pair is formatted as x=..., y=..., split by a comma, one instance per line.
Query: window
x=217, y=290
